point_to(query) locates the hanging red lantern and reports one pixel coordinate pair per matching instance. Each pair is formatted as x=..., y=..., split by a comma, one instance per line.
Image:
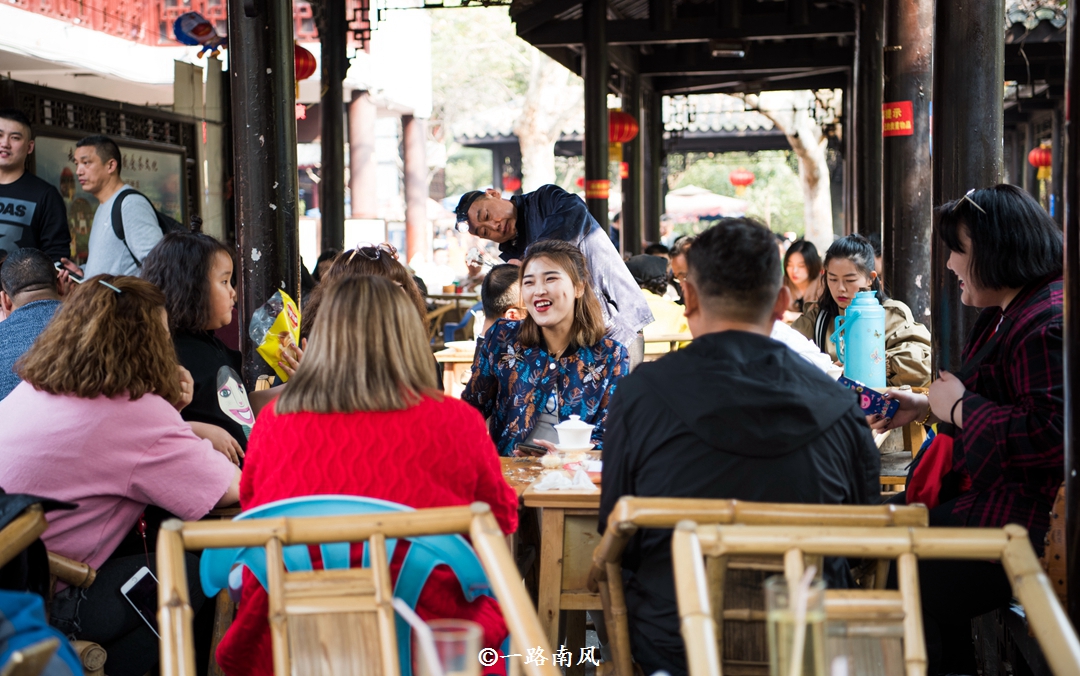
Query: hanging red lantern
x=624, y=170
x=511, y=183
x=305, y=62
x=1041, y=158
x=580, y=182
x=740, y=178
x=622, y=127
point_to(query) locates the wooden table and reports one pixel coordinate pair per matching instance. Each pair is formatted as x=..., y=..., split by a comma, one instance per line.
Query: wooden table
x=568, y=536
x=456, y=364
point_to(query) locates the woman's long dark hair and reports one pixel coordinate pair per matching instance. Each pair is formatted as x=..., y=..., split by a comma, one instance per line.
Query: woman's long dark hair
x=811, y=258
x=180, y=265
x=859, y=251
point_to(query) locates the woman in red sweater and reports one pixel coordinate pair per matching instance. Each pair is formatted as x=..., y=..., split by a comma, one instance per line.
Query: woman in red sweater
x=363, y=416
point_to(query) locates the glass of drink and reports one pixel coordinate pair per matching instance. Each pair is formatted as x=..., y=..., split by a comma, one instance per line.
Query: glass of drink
x=457, y=645
x=781, y=624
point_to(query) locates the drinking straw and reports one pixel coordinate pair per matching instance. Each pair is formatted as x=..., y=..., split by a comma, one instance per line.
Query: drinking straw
x=800, y=598
x=423, y=635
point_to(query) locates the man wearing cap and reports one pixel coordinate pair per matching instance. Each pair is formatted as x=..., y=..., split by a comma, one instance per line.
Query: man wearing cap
x=552, y=213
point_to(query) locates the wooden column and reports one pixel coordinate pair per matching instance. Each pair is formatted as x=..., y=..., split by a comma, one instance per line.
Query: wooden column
x=906, y=172
x=1071, y=185
x=416, y=186
x=264, y=155
x=595, y=65
x=969, y=72
x=633, y=185
x=334, y=65
x=1030, y=183
x=1056, y=165
x=653, y=133
x=869, y=82
x=363, y=166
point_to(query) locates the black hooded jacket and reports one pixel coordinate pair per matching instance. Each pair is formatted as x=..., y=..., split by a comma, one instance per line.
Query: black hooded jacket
x=733, y=415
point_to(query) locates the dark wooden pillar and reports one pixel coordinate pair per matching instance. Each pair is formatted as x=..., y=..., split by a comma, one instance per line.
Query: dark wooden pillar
x=869, y=81
x=1056, y=165
x=416, y=185
x=905, y=192
x=633, y=184
x=969, y=72
x=1030, y=182
x=597, y=183
x=363, y=166
x=332, y=111
x=653, y=131
x=1071, y=185
x=264, y=150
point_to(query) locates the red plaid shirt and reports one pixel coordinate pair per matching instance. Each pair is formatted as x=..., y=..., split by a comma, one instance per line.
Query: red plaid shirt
x=1012, y=445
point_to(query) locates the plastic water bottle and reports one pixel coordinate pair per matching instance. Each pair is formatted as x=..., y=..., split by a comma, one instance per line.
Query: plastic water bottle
x=859, y=336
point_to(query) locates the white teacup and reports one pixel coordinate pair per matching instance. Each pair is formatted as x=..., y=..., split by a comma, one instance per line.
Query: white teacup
x=574, y=433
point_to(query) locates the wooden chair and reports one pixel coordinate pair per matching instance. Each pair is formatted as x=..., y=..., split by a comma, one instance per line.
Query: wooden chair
x=336, y=622
x=1010, y=545
x=31, y=660
x=17, y=536
x=739, y=577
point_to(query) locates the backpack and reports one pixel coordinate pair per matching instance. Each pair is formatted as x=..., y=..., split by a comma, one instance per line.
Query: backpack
x=166, y=223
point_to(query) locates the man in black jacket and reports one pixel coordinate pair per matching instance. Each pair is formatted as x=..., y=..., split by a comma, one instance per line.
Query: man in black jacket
x=734, y=415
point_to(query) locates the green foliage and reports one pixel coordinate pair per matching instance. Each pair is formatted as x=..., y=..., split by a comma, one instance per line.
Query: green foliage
x=478, y=62
x=468, y=169
x=774, y=198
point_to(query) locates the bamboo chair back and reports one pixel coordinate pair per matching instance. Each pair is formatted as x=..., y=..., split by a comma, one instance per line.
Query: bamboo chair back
x=21, y=532
x=1010, y=545
x=736, y=584
x=337, y=622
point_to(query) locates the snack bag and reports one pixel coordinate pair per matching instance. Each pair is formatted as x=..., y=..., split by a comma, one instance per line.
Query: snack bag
x=275, y=326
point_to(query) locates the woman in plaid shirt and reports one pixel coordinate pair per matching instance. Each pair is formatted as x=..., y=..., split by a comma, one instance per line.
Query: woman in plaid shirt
x=1005, y=406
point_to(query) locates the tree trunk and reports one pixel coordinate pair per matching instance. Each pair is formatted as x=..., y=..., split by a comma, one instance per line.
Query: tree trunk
x=791, y=113
x=551, y=100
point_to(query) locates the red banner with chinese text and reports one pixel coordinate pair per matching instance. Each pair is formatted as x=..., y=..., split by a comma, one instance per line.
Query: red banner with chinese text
x=897, y=119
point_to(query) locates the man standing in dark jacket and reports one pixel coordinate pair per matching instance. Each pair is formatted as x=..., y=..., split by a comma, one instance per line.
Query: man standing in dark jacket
x=734, y=415
x=553, y=213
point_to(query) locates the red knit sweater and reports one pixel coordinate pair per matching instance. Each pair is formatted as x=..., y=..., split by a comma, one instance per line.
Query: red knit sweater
x=434, y=454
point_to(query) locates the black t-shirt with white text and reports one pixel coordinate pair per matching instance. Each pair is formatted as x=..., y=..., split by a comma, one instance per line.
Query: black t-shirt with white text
x=32, y=214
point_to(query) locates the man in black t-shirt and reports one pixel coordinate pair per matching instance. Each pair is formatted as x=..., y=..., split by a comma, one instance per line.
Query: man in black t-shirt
x=32, y=213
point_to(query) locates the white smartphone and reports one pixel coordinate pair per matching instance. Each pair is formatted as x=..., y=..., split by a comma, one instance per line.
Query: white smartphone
x=141, y=591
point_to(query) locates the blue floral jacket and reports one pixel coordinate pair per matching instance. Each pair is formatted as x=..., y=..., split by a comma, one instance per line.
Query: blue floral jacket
x=512, y=383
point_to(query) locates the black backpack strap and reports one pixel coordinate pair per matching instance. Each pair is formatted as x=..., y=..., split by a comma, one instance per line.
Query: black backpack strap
x=118, y=220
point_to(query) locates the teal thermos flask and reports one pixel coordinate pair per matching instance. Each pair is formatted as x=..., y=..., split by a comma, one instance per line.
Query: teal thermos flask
x=859, y=335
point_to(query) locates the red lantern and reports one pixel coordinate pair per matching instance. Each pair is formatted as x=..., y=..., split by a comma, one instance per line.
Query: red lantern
x=624, y=170
x=305, y=62
x=580, y=182
x=511, y=183
x=1041, y=158
x=622, y=127
x=740, y=178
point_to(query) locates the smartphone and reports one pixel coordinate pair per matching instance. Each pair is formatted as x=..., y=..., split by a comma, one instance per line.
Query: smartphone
x=141, y=591
x=871, y=401
x=71, y=275
x=531, y=449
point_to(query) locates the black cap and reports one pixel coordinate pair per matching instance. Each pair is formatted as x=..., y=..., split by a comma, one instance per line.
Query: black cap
x=645, y=267
x=464, y=203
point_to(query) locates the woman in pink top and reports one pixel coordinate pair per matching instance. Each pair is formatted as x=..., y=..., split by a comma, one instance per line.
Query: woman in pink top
x=363, y=416
x=96, y=422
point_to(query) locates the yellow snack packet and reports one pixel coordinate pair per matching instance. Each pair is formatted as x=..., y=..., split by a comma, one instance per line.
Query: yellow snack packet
x=274, y=327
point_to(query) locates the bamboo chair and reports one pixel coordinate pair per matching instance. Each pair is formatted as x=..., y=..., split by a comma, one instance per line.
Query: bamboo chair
x=632, y=513
x=337, y=622
x=31, y=660
x=1010, y=545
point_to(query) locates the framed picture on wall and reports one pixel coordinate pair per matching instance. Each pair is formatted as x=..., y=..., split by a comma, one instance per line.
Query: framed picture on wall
x=155, y=170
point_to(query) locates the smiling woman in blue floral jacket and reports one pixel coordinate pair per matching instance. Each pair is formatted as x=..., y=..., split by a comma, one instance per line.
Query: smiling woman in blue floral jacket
x=557, y=362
